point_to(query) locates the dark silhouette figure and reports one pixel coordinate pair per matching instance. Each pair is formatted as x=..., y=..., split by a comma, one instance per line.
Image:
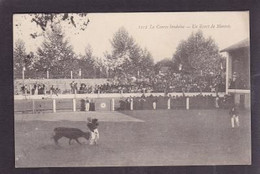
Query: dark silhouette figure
x=70, y=133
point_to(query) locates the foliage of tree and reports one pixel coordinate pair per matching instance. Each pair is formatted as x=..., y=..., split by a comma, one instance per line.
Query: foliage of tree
x=21, y=60
x=198, y=55
x=146, y=64
x=55, y=55
x=49, y=20
x=91, y=66
x=86, y=63
x=101, y=68
x=127, y=58
x=199, y=58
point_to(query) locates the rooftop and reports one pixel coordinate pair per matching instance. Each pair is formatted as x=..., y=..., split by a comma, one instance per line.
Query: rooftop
x=242, y=44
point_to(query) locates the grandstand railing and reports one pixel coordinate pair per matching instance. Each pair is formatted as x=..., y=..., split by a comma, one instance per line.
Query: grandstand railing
x=110, y=95
x=111, y=102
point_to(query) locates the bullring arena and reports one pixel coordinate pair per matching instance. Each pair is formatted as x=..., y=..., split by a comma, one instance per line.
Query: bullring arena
x=129, y=136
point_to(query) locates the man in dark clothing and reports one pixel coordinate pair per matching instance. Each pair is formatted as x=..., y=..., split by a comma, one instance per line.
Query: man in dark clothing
x=93, y=127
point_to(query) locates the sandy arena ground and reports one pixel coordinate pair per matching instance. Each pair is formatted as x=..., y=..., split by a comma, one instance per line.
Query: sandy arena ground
x=135, y=138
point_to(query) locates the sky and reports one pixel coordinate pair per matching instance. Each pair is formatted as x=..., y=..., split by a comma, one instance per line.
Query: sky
x=160, y=33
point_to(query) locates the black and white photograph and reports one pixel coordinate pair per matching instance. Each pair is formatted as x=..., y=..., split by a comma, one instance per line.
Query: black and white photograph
x=131, y=89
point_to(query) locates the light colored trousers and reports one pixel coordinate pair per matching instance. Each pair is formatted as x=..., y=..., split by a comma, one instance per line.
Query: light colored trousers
x=234, y=121
x=94, y=137
x=154, y=105
x=87, y=107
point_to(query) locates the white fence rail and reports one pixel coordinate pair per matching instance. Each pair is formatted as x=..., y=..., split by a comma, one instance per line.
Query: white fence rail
x=105, y=95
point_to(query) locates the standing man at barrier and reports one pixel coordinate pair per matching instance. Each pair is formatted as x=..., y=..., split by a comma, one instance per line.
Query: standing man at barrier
x=91, y=105
x=217, y=102
x=127, y=103
x=131, y=103
x=154, y=102
x=87, y=104
x=72, y=87
x=234, y=117
x=142, y=100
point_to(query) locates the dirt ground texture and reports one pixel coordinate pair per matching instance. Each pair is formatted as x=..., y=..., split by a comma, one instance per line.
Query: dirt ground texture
x=150, y=138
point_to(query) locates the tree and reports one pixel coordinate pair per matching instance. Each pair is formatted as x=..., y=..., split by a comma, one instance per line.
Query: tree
x=198, y=55
x=101, y=68
x=124, y=48
x=127, y=59
x=21, y=60
x=146, y=63
x=46, y=21
x=87, y=63
x=56, y=55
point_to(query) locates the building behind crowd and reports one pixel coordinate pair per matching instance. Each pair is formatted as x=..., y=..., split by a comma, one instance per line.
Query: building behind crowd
x=238, y=72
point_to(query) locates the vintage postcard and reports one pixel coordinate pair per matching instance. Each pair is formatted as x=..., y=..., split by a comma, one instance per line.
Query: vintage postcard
x=132, y=89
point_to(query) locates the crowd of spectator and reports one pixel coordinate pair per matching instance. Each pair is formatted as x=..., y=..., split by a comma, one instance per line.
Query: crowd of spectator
x=110, y=88
x=158, y=84
x=141, y=87
x=187, y=83
x=34, y=89
x=39, y=89
x=164, y=84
